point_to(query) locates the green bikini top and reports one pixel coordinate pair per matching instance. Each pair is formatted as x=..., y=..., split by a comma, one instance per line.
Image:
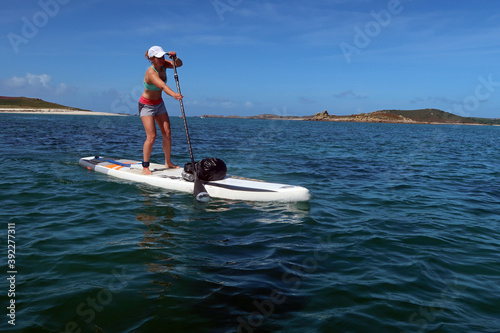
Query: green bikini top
x=152, y=87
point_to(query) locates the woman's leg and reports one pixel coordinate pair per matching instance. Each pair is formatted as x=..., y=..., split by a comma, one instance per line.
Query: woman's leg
x=150, y=128
x=164, y=123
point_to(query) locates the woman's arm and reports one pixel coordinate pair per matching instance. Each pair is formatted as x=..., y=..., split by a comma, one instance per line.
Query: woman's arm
x=172, y=93
x=155, y=79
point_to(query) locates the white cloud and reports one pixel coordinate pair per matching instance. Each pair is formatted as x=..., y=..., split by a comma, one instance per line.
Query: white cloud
x=34, y=84
x=37, y=80
x=29, y=80
x=306, y=100
x=15, y=82
x=351, y=94
x=61, y=88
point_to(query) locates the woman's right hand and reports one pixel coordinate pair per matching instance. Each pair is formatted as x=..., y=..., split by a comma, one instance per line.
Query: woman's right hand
x=177, y=96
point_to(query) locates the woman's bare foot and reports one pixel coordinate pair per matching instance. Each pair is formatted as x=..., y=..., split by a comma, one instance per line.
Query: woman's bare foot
x=171, y=165
x=146, y=171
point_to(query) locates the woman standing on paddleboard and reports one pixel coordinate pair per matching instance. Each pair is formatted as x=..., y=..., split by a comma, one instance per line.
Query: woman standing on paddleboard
x=151, y=106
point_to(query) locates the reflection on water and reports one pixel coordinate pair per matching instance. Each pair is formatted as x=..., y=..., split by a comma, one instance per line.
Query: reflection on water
x=229, y=276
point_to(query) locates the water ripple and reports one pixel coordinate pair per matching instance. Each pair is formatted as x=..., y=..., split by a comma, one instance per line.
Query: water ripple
x=401, y=234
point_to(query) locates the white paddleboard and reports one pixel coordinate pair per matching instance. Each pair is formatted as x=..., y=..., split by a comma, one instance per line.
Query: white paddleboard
x=231, y=187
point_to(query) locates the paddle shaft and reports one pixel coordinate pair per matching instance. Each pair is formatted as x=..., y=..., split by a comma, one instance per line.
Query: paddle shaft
x=182, y=110
x=199, y=190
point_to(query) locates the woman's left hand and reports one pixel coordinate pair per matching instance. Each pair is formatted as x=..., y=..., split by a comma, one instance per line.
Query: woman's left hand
x=170, y=63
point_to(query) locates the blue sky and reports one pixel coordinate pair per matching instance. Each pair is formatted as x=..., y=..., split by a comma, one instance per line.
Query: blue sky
x=243, y=57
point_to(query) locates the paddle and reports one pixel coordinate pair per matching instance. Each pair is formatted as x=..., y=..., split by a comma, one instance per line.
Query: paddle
x=199, y=190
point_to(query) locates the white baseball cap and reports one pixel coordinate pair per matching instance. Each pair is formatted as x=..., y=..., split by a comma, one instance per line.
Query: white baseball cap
x=156, y=51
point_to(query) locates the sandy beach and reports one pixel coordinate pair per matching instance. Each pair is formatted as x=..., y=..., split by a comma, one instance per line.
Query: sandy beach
x=58, y=111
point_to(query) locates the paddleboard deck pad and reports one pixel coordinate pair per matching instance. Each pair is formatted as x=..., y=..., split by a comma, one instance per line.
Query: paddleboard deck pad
x=231, y=187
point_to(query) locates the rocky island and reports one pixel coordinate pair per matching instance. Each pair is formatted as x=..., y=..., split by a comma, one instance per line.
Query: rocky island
x=421, y=116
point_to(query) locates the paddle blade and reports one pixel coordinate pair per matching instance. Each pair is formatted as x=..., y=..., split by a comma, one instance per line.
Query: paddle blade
x=203, y=197
x=199, y=191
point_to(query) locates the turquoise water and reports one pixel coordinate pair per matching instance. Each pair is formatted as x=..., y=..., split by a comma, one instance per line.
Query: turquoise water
x=402, y=233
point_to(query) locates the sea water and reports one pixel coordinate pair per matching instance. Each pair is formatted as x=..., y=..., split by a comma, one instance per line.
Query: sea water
x=402, y=233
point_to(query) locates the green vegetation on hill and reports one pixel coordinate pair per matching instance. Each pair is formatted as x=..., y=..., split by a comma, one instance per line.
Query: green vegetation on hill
x=422, y=116
x=427, y=115
x=439, y=116
x=25, y=102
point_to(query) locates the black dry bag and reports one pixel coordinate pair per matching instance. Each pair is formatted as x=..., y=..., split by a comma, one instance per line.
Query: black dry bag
x=208, y=169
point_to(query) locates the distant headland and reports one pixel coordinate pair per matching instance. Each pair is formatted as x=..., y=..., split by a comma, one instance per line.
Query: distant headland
x=39, y=106
x=421, y=116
